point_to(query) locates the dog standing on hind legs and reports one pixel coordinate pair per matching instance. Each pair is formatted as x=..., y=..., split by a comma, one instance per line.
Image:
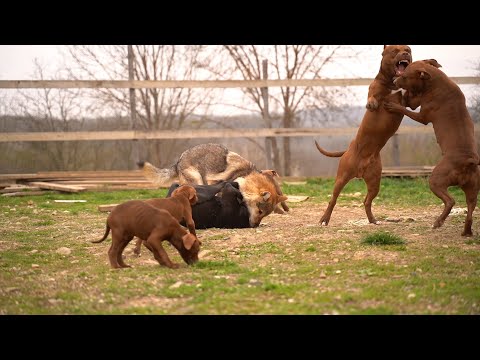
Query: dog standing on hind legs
x=443, y=104
x=362, y=158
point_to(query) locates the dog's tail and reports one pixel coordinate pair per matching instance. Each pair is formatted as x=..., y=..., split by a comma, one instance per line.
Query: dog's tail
x=107, y=231
x=161, y=177
x=328, y=153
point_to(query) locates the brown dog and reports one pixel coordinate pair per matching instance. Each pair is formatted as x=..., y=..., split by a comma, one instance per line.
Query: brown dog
x=443, y=104
x=136, y=218
x=362, y=158
x=179, y=205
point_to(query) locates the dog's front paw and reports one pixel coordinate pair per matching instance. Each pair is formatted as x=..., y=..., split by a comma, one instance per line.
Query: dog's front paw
x=174, y=266
x=372, y=104
x=392, y=107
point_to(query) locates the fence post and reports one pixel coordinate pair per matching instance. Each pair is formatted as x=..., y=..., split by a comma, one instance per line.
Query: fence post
x=395, y=151
x=133, y=109
x=266, y=116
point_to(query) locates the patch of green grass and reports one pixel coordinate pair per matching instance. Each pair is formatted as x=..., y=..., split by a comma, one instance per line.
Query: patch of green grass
x=280, y=270
x=383, y=238
x=393, y=191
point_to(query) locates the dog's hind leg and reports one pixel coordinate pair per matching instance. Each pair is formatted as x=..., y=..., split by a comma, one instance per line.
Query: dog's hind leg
x=471, y=196
x=340, y=183
x=115, y=251
x=138, y=246
x=191, y=175
x=372, y=178
x=439, y=183
x=126, y=239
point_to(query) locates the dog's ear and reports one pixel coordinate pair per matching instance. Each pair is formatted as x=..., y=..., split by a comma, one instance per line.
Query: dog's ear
x=266, y=195
x=423, y=74
x=188, y=240
x=433, y=62
x=272, y=173
x=192, y=194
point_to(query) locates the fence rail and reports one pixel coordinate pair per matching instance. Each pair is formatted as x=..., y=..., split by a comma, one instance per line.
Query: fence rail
x=195, y=134
x=142, y=84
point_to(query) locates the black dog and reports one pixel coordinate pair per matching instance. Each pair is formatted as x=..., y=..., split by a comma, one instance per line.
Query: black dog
x=220, y=206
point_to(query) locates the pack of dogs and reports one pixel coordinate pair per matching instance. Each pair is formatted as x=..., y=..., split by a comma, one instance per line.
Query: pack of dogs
x=218, y=188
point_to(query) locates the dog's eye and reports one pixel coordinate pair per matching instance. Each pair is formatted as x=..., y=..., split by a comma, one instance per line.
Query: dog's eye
x=260, y=212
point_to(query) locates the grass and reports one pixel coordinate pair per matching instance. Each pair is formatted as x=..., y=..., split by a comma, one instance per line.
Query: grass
x=393, y=191
x=383, y=238
x=289, y=265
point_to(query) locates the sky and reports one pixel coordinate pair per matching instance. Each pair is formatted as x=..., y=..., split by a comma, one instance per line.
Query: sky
x=17, y=61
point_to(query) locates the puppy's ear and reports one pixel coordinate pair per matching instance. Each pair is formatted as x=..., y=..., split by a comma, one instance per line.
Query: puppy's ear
x=192, y=194
x=239, y=199
x=188, y=240
x=433, y=62
x=423, y=74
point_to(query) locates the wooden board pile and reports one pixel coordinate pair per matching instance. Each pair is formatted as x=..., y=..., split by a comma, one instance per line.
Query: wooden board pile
x=72, y=182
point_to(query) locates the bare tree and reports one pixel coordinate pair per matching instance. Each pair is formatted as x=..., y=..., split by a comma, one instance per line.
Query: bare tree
x=476, y=98
x=52, y=110
x=286, y=62
x=157, y=109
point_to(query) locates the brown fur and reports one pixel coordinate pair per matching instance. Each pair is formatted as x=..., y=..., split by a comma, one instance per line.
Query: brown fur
x=362, y=158
x=136, y=218
x=443, y=104
x=179, y=205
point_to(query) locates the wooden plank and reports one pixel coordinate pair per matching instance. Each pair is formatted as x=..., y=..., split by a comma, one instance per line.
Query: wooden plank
x=194, y=134
x=14, y=177
x=53, y=186
x=106, y=208
x=190, y=84
x=19, y=188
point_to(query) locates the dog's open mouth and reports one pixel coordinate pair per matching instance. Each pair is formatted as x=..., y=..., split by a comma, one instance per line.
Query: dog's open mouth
x=401, y=66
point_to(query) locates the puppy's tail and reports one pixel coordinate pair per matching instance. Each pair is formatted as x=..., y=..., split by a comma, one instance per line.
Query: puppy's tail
x=107, y=231
x=328, y=153
x=160, y=177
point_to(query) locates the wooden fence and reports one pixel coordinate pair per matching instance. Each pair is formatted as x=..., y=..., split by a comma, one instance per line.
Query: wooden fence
x=188, y=133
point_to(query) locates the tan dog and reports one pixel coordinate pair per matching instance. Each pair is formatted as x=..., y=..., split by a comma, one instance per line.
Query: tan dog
x=443, y=104
x=179, y=205
x=362, y=158
x=136, y=218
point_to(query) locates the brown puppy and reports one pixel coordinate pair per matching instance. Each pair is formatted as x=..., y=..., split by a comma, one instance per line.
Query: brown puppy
x=443, y=104
x=179, y=205
x=362, y=158
x=136, y=218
